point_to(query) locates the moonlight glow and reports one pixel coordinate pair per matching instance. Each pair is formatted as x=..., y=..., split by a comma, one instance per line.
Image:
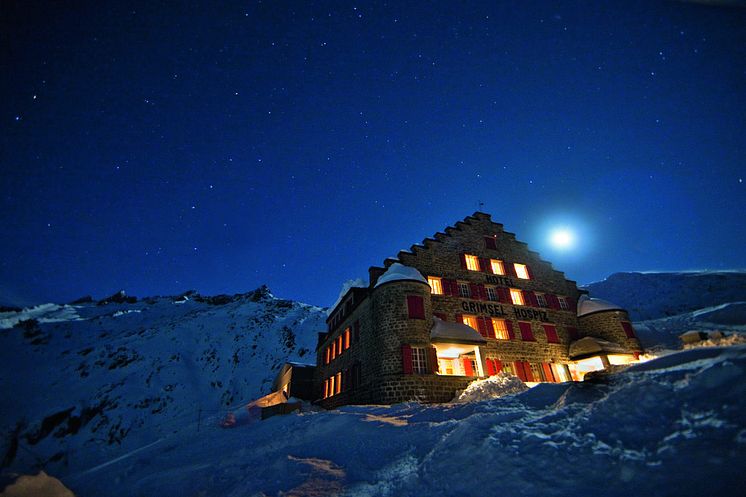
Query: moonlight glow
x=562, y=239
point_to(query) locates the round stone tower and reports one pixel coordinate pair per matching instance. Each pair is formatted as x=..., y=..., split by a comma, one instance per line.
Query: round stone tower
x=601, y=319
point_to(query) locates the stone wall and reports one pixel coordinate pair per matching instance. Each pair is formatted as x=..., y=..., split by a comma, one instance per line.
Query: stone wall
x=608, y=326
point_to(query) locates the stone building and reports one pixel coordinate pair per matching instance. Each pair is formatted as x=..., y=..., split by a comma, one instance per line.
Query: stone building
x=469, y=302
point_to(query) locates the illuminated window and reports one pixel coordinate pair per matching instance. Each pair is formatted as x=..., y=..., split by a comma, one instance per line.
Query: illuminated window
x=541, y=299
x=333, y=346
x=463, y=290
x=472, y=262
x=327, y=355
x=563, y=303
x=501, y=329
x=470, y=320
x=497, y=266
x=419, y=360
x=338, y=383
x=516, y=296
x=339, y=345
x=331, y=386
x=436, y=287
x=491, y=293
x=347, y=339
x=521, y=271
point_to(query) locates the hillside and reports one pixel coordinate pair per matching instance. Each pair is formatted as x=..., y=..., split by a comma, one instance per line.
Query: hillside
x=659, y=295
x=85, y=382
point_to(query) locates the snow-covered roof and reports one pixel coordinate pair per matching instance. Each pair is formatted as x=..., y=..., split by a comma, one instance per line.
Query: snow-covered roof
x=589, y=346
x=587, y=305
x=454, y=332
x=397, y=272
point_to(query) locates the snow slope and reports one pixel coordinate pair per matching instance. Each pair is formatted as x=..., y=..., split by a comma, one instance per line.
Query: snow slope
x=85, y=383
x=657, y=295
x=670, y=427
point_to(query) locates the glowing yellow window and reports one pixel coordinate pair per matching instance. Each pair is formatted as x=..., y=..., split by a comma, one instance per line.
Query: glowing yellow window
x=339, y=345
x=472, y=262
x=497, y=266
x=501, y=329
x=347, y=339
x=435, y=285
x=338, y=383
x=521, y=271
x=470, y=320
x=517, y=296
x=331, y=386
x=327, y=356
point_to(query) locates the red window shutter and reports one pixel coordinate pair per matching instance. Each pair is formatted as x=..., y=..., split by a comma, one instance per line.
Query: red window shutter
x=474, y=291
x=548, y=372
x=518, y=366
x=440, y=316
x=628, y=329
x=511, y=269
x=572, y=332
x=463, y=261
x=530, y=273
x=481, y=327
x=490, y=329
x=527, y=371
x=530, y=298
x=489, y=242
x=498, y=366
x=460, y=318
x=406, y=358
x=551, y=332
x=356, y=331
x=509, y=326
x=450, y=287
x=416, y=307
x=485, y=265
x=503, y=295
x=482, y=292
x=432, y=359
x=553, y=301
x=467, y=367
x=573, y=304
x=490, y=367
x=526, y=333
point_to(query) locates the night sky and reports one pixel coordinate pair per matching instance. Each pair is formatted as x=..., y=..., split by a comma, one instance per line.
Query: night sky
x=160, y=147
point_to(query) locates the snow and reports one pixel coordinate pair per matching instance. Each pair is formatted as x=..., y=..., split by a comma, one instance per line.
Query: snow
x=493, y=387
x=397, y=272
x=44, y=313
x=354, y=283
x=154, y=385
x=457, y=332
x=587, y=305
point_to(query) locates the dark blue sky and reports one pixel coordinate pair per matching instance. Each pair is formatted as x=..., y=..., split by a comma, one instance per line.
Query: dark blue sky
x=158, y=147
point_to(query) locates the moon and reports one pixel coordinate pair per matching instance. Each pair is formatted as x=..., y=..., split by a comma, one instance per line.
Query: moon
x=562, y=238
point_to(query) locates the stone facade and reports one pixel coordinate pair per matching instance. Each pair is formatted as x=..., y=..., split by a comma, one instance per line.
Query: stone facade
x=378, y=347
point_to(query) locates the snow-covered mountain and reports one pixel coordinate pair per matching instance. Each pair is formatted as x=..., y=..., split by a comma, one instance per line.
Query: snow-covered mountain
x=658, y=295
x=124, y=398
x=85, y=382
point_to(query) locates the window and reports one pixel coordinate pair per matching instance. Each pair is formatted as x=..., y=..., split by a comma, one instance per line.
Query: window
x=551, y=332
x=501, y=329
x=472, y=262
x=541, y=300
x=333, y=346
x=563, y=303
x=489, y=242
x=526, y=334
x=463, y=290
x=331, y=386
x=470, y=320
x=338, y=383
x=419, y=360
x=517, y=296
x=628, y=330
x=416, y=307
x=339, y=345
x=436, y=287
x=491, y=293
x=497, y=266
x=347, y=339
x=521, y=271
